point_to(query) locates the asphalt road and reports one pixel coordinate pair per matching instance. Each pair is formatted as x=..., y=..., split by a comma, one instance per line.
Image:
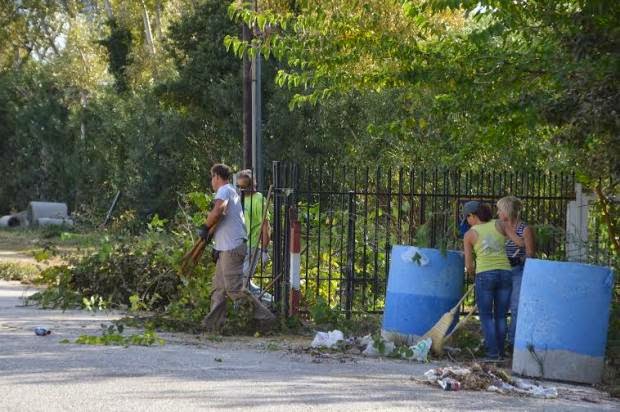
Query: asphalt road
x=192, y=373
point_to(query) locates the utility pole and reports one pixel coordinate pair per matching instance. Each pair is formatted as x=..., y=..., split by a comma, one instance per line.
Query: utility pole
x=257, y=143
x=252, y=110
x=247, y=104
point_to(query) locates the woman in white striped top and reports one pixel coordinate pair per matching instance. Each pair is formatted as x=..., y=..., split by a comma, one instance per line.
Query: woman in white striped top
x=519, y=246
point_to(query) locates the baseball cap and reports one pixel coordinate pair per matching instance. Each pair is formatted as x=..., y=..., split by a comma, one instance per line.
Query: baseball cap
x=469, y=208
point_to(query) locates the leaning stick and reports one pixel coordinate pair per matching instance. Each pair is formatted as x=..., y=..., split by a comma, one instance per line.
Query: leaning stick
x=254, y=256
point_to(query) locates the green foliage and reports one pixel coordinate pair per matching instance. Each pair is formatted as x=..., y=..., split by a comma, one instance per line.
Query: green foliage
x=59, y=292
x=137, y=272
x=118, y=270
x=118, y=45
x=537, y=90
x=41, y=255
x=136, y=304
x=95, y=303
x=54, y=231
x=240, y=318
x=378, y=342
x=322, y=314
x=113, y=335
x=156, y=224
x=326, y=317
x=193, y=301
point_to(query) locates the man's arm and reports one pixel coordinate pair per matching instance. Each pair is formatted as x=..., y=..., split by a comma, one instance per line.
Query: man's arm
x=216, y=214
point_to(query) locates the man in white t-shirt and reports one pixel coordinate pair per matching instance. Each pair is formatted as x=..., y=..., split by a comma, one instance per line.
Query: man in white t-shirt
x=230, y=243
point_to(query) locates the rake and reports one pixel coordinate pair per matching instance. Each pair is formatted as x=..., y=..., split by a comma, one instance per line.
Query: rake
x=438, y=332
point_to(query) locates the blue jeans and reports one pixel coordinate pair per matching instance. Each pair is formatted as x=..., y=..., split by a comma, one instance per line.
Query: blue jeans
x=493, y=290
x=517, y=276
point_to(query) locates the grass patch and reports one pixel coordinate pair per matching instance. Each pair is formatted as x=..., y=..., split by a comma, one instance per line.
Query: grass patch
x=20, y=271
x=26, y=239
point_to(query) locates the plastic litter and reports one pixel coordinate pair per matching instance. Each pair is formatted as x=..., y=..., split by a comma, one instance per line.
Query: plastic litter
x=399, y=338
x=434, y=375
x=414, y=254
x=420, y=350
x=365, y=340
x=449, y=384
x=327, y=339
x=41, y=331
x=537, y=391
x=372, y=351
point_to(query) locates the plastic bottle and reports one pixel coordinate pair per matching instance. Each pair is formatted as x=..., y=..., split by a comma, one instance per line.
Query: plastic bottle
x=42, y=331
x=449, y=384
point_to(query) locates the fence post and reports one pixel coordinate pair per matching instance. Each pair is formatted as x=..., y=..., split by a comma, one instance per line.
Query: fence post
x=277, y=230
x=577, y=213
x=350, y=271
x=285, y=281
x=295, y=262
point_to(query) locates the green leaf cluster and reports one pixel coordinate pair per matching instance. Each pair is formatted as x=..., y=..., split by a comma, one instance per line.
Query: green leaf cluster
x=113, y=335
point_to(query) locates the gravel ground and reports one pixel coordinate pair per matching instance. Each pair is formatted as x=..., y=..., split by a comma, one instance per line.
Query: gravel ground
x=193, y=373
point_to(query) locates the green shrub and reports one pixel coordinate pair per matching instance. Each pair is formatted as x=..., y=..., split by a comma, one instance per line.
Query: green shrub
x=59, y=292
x=130, y=267
x=322, y=314
x=140, y=273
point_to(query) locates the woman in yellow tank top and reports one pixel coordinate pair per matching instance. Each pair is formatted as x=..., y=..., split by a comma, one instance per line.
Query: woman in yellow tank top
x=485, y=258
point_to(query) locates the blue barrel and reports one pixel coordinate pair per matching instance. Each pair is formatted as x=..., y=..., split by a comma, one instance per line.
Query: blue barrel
x=563, y=320
x=421, y=288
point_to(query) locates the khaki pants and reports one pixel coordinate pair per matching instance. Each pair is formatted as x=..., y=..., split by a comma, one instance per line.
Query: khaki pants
x=228, y=281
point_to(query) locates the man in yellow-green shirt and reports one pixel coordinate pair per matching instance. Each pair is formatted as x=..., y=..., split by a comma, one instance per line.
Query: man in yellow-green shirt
x=258, y=231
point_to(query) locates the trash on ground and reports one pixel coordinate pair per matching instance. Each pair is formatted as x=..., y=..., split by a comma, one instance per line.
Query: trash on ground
x=42, y=331
x=489, y=378
x=379, y=347
x=521, y=386
x=371, y=346
x=327, y=339
x=449, y=384
x=420, y=350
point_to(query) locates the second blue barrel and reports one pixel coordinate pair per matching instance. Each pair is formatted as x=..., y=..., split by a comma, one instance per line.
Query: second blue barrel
x=423, y=284
x=563, y=320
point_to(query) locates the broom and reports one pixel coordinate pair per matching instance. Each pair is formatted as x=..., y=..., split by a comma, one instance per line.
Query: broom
x=438, y=332
x=460, y=323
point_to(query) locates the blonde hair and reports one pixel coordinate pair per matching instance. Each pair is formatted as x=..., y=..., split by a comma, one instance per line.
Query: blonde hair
x=511, y=205
x=247, y=174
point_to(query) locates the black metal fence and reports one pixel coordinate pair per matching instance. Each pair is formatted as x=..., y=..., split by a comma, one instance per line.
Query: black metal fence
x=351, y=217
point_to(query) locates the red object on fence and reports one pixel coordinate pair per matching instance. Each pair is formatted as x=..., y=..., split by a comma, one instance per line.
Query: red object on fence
x=295, y=267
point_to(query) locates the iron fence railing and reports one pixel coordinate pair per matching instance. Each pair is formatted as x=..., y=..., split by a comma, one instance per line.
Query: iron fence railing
x=351, y=217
